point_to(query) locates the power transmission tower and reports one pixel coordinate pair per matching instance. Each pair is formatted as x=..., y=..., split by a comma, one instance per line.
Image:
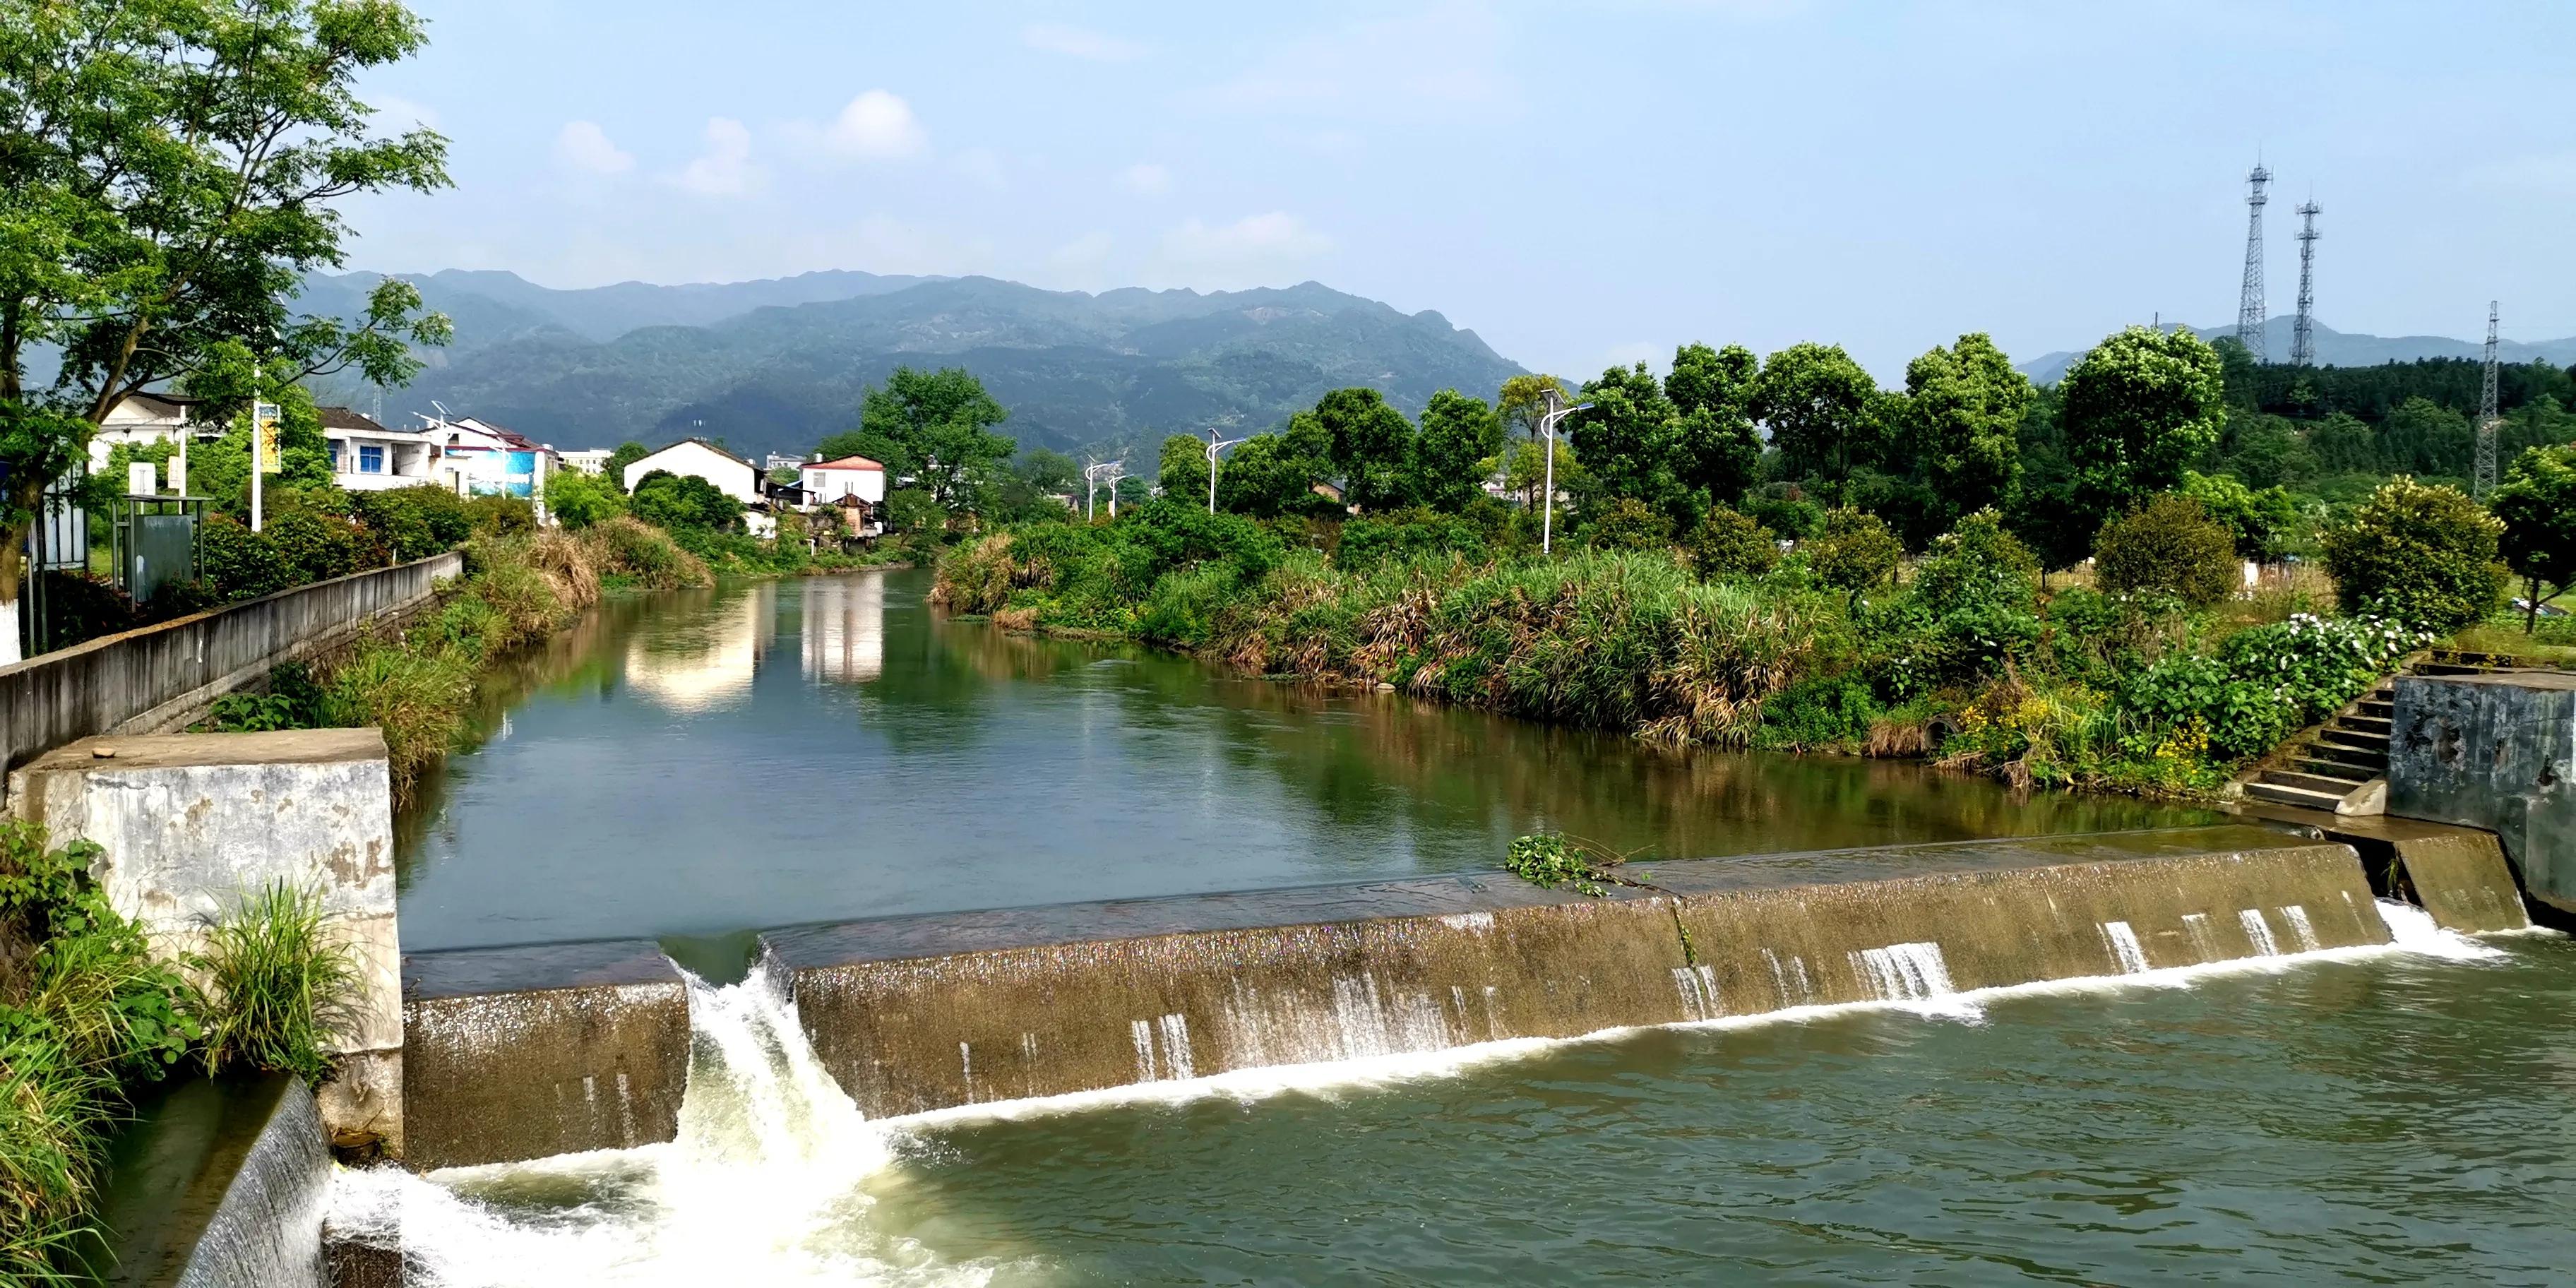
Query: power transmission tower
x=2488, y=418
x=2303, y=339
x=2249, y=304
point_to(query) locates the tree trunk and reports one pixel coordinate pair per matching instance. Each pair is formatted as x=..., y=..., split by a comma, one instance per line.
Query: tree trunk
x=2531, y=605
x=13, y=570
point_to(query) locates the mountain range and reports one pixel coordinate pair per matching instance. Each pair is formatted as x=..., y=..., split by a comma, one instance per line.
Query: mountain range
x=774, y=366
x=2344, y=348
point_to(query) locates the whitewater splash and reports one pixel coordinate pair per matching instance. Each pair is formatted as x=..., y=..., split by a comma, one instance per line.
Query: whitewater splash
x=764, y=1184
x=767, y=1182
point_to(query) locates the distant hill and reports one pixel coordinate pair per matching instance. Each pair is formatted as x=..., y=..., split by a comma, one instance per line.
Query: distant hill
x=2345, y=348
x=775, y=366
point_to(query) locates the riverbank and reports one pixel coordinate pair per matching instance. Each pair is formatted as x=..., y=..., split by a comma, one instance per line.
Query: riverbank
x=1968, y=662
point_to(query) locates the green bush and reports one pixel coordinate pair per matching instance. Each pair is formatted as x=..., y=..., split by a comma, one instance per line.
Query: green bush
x=237, y=562
x=1853, y=551
x=2423, y=554
x=677, y=502
x=279, y=986
x=501, y=516
x=2271, y=681
x=315, y=546
x=1816, y=713
x=1625, y=524
x=1724, y=543
x=1409, y=534
x=638, y=554
x=417, y=521
x=579, y=500
x=2169, y=547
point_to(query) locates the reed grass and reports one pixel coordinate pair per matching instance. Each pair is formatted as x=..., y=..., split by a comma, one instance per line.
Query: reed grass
x=278, y=985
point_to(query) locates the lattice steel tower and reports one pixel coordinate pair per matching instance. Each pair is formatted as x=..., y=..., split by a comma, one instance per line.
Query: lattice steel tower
x=2303, y=338
x=2249, y=305
x=2489, y=420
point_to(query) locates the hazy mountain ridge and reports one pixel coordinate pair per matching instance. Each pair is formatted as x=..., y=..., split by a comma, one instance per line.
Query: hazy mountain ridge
x=2343, y=348
x=781, y=371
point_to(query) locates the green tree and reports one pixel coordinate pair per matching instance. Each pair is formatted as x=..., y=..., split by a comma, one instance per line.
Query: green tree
x=2265, y=451
x=941, y=423
x=2135, y=410
x=578, y=500
x=169, y=173
x=2537, y=504
x=1625, y=524
x=2341, y=444
x=1049, y=471
x=1963, y=413
x=1853, y=551
x=675, y=501
x=627, y=453
x=2170, y=546
x=1458, y=434
x=2423, y=437
x=2264, y=522
x=1183, y=468
x=1716, y=450
x=1272, y=475
x=2424, y=554
x=1625, y=440
x=1524, y=399
x=1821, y=408
x=1369, y=444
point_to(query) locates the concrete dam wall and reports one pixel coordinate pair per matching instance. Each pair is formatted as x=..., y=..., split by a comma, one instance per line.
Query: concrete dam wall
x=519, y=1053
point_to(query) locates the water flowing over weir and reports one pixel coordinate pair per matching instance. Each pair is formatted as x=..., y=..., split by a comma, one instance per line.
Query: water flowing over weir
x=913, y=1014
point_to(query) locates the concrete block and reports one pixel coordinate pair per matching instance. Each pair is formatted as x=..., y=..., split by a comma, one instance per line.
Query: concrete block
x=2494, y=751
x=190, y=823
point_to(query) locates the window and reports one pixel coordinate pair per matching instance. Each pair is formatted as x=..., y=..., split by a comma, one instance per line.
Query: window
x=371, y=460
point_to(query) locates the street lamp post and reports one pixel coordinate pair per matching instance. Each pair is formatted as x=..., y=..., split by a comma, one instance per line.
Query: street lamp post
x=1215, y=445
x=1093, y=475
x=1547, y=436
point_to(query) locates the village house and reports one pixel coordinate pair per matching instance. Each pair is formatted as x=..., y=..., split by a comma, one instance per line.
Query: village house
x=368, y=457
x=698, y=458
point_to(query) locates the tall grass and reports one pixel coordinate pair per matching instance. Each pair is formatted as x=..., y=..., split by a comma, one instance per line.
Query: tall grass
x=278, y=985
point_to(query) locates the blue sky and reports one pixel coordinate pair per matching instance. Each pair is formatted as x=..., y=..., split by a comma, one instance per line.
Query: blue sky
x=1580, y=184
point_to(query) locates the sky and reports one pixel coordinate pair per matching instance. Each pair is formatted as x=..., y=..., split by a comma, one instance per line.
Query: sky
x=1580, y=184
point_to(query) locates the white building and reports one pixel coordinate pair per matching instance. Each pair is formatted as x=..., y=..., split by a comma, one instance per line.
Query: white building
x=698, y=458
x=826, y=482
x=593, y=461
x=479, y=458
x=367, y=457
x=143, y=419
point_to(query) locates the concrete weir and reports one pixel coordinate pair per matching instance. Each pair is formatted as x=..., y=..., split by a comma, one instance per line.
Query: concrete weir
x=927, y=1012
x=518, y=1053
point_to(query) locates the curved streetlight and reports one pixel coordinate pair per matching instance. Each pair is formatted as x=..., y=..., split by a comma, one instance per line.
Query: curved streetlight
x=1547, y=433
x=1094, y=476
x=1216, y=445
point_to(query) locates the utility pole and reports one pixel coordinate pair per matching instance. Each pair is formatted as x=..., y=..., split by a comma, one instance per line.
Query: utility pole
x=2249, y=302
x=2303, y=338
x=2489, y=419
x=1215, y=445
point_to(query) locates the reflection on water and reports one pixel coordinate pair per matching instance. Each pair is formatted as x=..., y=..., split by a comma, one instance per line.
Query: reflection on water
x=668, y=772
x=703, y=659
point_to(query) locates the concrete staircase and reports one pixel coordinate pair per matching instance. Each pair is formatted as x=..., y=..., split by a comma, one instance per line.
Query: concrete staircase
x=2329, y=766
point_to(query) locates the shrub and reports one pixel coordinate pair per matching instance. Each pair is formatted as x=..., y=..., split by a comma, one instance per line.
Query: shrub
x=1820, y=711
x=1409, y=534
x=2423, y=554
x=641, y=555
x=578, y=500
x=279, y=986
x=1786, y=511
x=682, y=501
x=2265, y=523
x=415, y=522
x=1626, y=524
x=2271, y=681
x=1979, y=565
x=1724, y=543
x=237, y=562
x=911, y=509
x=501, y=516
x=417, y=697
x=315, y=547
x=2171, y=547
x=1853, y=551
x=2537, y=506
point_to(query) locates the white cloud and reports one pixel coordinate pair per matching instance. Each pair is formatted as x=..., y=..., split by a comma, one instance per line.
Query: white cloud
x=584, y=146
x=1076, y=42
x=725, y=169
x=1268, y=249
x=876, y=126
x=1146, y=178
x=981, y=167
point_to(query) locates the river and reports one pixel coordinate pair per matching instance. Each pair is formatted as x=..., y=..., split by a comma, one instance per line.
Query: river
x=768, y=754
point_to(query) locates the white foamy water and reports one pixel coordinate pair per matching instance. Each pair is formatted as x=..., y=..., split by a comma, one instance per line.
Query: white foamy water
x=2258, y=932
x=2125, y=948
x=763, y=1185
x=2300, y=930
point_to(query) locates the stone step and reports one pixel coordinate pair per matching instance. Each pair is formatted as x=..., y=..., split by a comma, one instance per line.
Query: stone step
x=2340, y=771
x=2450, y=668
x=2335, y=787
x=2358, y=740
x=2377, y=708
x=2377, y=725
x=2370, y=759
x=2280, y=795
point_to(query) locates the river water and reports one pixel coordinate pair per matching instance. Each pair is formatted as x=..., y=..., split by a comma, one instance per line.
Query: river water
x=776, y=753
x=2381, y=1115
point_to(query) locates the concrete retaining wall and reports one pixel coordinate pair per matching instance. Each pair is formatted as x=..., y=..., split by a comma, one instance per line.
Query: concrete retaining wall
x=161, y=676
x=189, y=824
x=2494, y=751
x=218, y=1186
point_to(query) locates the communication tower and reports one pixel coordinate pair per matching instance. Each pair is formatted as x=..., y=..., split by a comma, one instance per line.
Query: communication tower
x=2249, y=304
x=2489, y=420
x=2303, y=338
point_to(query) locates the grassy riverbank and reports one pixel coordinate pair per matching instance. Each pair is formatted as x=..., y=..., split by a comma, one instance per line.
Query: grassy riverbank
x=1967, y=660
